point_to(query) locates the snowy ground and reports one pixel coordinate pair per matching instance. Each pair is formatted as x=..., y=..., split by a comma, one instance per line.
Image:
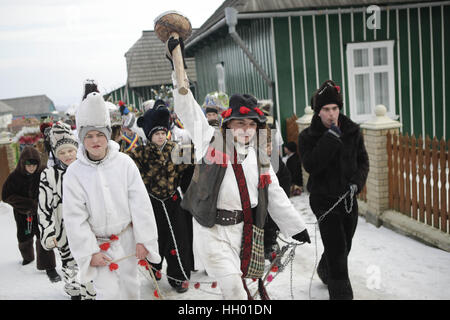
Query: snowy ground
x=383, y=265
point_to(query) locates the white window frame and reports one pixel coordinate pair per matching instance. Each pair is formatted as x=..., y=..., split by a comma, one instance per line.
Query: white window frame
x=371, y=70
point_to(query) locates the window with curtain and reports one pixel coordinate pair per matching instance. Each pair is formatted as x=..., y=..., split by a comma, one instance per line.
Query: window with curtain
x=370, y=67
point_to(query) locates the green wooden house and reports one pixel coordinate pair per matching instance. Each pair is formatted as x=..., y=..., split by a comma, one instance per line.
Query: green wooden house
x=393, y=53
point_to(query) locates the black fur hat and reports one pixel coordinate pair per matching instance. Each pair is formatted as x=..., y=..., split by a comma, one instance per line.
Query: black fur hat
x=154, y=120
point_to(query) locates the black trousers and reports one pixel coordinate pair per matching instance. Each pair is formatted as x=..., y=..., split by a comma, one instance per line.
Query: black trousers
x=45, y=259
x=337, y=231
x=181, y=222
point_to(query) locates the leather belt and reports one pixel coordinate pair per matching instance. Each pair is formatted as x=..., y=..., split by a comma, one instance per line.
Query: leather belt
x=227, y=218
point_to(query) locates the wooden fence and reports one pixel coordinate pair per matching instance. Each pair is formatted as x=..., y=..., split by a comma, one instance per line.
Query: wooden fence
x=418, y=178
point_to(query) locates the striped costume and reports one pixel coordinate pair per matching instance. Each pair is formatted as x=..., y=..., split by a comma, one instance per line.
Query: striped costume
x=51, y=227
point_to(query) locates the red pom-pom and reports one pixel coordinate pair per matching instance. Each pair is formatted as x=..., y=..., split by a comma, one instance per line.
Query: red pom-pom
x=214, y=285
x=158, y=274
x=114, y=238
x=197, y=285
x=244, y=110
x=258, y=111
x=143, y=262
x=105, y=246
x=274, y=255
x=185, y=284
x=175, y=197
x=269, y=278
x=113, y=266
x=226, y=113
x=155, y=293
x=254, y=279
x=338, y=88
x=121, y=103
x=29, y=219
x=173, y=252
x=274, y=269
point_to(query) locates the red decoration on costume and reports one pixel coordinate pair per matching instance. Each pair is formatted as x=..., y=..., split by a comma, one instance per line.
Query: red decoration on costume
x=155, y=293
x=258, y=111
x=338, y=88
x=175, y=197
x=217, y=157
x=173, y=252
x=121, y=103
x=105, y=246
x=244, y=110
x=158, y=274
x=254, y=279
x=264, y=179
x=274, y=269
x=214, y=285
x=185, y=284
x=113, y=266
x=227, y=113
x=29, y=219
x=269, y=278
x=143, y=262
x=197, y=285
x=114, y=238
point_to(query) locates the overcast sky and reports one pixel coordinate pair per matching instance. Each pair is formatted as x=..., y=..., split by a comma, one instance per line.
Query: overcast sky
x=50, y=46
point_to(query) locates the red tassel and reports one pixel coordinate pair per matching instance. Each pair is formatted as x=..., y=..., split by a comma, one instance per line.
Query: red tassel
x=258, y=111
x=155, y=293
x=338, y=88
x=175, y=197
x=29, y=219
x=274, y=269
x=173, y=252
x=158, y=274
x=105, y=246
x=227, y=113
x=143, y=262
x=185, y=284
x=114, y=238
x=113, y=266
x=264, y=180
x=197, y=285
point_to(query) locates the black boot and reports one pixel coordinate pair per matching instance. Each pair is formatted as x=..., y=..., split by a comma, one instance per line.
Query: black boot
x=53, y=275
x=340, y=289
x=322, y=270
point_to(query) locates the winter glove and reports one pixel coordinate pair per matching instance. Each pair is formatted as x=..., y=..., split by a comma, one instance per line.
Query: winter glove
x=335, y=130
x=172, y=43
x=353, y=188
x=302, y=236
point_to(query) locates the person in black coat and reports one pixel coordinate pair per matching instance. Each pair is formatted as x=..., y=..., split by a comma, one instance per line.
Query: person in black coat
x=333, y=153
x=294, y=166
x=21, y=191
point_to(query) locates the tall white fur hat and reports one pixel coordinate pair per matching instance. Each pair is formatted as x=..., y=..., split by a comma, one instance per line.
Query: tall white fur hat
x=92, y=114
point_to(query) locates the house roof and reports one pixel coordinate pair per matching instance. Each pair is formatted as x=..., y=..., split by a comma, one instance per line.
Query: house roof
x=4, y=108
x=258, y=6
x=32, y=105
x=147, y=64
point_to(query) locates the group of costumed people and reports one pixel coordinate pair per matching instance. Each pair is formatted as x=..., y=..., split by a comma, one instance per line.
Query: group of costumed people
x=206, y=194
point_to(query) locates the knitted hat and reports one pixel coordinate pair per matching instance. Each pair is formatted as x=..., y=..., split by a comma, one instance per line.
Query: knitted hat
x=328, y=93
x=92, y=114
x=211, y=109
x=154, y=120
x=61, y=136
x=243, y=107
